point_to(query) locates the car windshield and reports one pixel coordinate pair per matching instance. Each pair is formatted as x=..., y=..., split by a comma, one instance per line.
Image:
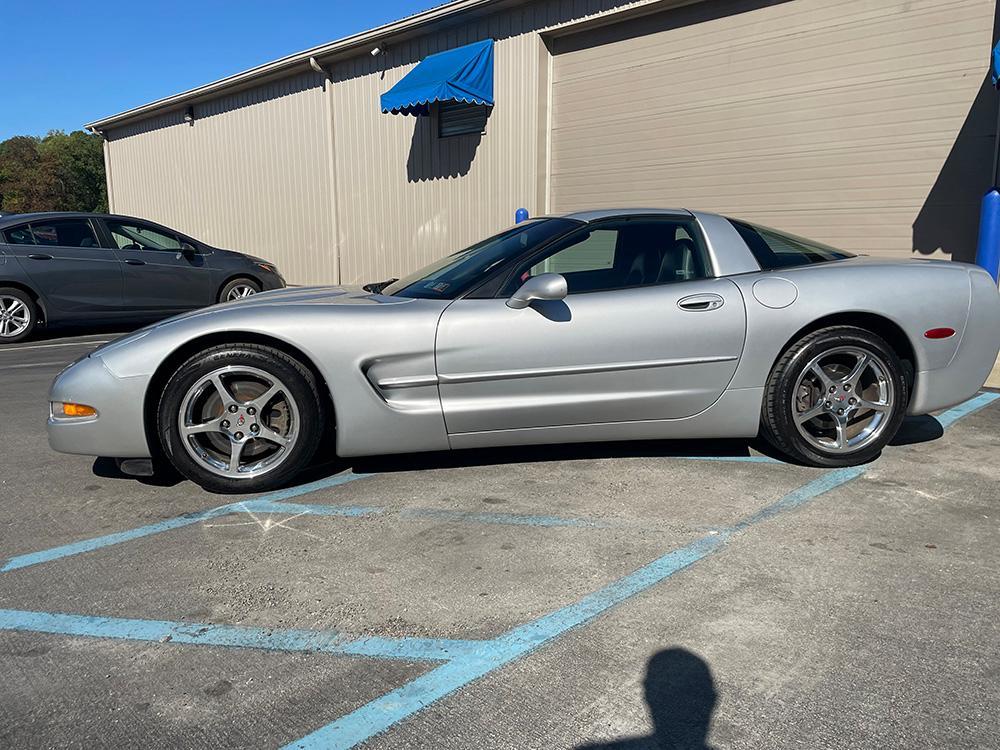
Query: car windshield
x=455, y=274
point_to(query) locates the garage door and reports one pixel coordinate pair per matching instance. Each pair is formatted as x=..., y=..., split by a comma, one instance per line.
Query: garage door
x=856, y=123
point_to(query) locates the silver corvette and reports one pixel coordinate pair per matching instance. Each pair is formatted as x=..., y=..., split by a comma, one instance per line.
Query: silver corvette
x=601, y=325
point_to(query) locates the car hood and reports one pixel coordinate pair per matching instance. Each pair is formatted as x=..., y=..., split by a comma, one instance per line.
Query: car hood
x=315, y=295
x=339, y=296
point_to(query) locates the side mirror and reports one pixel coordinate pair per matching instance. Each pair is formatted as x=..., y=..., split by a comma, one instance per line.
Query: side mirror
x=546, y=286
x=188, y=249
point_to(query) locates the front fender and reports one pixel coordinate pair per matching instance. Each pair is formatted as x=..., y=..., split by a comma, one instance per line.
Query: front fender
x=357, y=350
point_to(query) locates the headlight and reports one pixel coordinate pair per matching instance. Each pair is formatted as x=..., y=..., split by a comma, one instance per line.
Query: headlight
x=267, y=267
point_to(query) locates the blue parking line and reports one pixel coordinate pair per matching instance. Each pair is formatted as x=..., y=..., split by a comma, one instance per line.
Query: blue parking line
x=88, y=545
x=233, y=636
x=948, y=418
x=269, y=506
x=305, y=489
x=734, y=459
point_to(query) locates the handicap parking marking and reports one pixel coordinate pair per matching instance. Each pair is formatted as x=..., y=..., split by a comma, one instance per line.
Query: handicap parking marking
x=464, y=661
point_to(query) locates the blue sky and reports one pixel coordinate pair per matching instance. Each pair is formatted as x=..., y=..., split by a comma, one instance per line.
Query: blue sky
x=67, y=63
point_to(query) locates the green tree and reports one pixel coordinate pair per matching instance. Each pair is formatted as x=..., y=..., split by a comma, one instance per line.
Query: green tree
x=60, y=172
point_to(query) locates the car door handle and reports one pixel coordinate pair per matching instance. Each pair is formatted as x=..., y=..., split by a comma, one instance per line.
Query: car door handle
x=701, y=302
x=40, y=256
x=135, y=262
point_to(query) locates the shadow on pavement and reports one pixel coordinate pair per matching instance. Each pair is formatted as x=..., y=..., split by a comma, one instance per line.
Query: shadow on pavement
x=681, y=696
x=545, y=453
x=918, y=430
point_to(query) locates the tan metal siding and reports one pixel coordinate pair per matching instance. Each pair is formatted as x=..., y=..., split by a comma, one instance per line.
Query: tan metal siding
x=833, y=120
x=251, y=174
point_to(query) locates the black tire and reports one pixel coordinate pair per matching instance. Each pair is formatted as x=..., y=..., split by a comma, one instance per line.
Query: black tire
x=301, y=385
x=240, y=283
x=9, y=299
x=778, y=420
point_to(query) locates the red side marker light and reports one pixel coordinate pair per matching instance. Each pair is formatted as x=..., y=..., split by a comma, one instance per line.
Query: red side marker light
x=939, y=333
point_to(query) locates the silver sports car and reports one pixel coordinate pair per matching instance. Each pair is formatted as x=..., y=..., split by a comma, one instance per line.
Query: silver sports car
x=600, y=325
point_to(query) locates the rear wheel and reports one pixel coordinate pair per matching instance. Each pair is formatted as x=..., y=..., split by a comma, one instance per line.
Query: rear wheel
x=240, y=418
x=835, y=397
x=18, y=315
x=238, y=289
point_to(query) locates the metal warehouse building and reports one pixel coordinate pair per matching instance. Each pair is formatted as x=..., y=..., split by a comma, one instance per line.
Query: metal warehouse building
x=867, y=124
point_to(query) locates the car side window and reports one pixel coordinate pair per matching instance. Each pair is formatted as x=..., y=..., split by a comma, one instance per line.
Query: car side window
x=19, y=236
x=621, y=254
x=774, y=249
x=65, y=233
x=135, y=236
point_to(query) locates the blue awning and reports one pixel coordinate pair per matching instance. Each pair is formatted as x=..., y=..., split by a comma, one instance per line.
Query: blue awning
x=463, y=74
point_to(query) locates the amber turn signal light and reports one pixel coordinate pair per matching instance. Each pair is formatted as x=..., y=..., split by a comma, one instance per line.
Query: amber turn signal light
x=74, y=410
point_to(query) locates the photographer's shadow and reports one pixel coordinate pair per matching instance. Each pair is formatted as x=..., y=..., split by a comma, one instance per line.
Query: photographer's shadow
x=681, y=696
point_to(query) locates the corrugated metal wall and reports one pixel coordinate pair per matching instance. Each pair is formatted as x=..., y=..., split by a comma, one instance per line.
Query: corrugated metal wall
x=857, y=123
x=251, y=174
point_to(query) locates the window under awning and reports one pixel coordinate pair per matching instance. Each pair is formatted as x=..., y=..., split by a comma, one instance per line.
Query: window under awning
x=463, y=74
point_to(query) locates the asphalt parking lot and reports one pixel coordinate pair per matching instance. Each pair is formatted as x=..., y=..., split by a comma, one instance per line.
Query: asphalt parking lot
x=634, y=596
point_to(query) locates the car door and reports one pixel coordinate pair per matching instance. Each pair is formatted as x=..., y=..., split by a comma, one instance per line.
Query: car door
x=163, y=272
x=63, y=258
x=645, y=333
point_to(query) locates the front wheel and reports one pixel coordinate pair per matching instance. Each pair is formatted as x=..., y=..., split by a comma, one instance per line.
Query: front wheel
x=238, y=289
x=835, y=397
x=240, y=418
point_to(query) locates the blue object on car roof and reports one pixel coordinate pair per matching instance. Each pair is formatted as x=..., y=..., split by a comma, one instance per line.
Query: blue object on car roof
x=463, y=74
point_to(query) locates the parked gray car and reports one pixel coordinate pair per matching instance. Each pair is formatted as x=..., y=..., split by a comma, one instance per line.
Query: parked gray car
x=602, y=325
x=78, y=268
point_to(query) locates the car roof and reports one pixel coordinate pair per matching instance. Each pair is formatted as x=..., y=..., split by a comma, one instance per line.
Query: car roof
x=607, y=213
x=7, y=220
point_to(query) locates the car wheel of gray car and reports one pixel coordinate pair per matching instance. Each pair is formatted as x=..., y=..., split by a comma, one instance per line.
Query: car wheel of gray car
x=240, y=418
x=835, y=397
x=18, y=315
x=238, y=289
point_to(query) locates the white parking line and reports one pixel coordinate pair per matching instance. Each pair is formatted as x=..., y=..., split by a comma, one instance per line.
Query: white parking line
x=51, y=346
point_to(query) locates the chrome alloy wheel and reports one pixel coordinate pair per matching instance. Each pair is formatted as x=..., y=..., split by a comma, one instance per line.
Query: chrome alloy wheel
x=240, y=291
x=15, y=317
x=843, y=399
x=238, y=422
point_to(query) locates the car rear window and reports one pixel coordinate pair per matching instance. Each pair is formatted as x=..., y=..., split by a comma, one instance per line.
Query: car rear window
x=774, y=249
